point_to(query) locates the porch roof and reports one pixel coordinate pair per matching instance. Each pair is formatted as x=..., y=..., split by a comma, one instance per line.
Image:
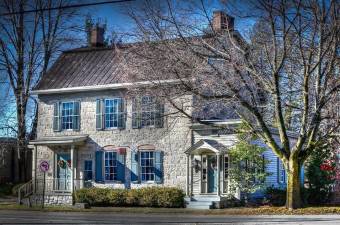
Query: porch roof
x=206, y=145
x=60, y=140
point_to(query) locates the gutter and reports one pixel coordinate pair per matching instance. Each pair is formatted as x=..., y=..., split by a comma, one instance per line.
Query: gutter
x=105, y=87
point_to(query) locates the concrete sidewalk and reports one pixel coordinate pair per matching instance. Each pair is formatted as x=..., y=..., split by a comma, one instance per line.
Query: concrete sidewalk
x=37, y=217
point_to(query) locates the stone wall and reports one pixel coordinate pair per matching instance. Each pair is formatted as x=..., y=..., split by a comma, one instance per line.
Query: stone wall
x=53, y=199
x=173, y=139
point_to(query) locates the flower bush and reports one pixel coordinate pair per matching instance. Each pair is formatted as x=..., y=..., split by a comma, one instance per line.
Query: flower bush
x=320, y=174
x=166, y=197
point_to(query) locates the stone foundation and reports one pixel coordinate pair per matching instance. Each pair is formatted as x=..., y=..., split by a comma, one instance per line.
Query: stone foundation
x=55, y=199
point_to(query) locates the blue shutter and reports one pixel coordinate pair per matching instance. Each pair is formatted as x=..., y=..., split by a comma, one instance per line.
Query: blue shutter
x=76, y=116
x=159, y=116
x=121, y=115
x=158, y=167
x=302, y=175
x=134, y=166
x=56, y=117
x=136, y=115
x=121, y=167
x=99, y=166
x=99, y=114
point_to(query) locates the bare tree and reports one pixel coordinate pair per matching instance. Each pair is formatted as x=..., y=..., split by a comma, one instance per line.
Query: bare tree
x=281, y=78
x=29, y=42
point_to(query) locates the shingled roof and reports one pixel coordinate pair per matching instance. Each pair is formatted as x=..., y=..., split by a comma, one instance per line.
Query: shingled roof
x=83, y=67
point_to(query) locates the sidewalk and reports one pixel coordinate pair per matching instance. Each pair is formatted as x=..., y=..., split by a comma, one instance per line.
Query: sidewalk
x=10, y=205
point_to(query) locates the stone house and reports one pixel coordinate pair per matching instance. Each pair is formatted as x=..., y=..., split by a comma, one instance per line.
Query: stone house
x=91, y=133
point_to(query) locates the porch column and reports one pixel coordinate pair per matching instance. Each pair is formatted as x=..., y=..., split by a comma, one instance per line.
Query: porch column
x=72, y=168
x=34, y=165
x=192, y=177
x=188, y=176
x=218, y=174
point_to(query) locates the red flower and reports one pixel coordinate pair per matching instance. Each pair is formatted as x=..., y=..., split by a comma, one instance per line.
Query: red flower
x=326, y=167
x=69, y=163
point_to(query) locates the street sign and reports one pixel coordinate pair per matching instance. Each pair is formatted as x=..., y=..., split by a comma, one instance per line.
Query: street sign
x=44, y=166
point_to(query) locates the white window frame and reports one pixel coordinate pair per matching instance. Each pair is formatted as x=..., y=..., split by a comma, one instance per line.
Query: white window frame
x=115, y=167
x=150, y=167
x=225, y=169
x=71, y=115
x=148, y=108
x=87, y=170
x=113, y=113
x=147, y=105
x=281, y=172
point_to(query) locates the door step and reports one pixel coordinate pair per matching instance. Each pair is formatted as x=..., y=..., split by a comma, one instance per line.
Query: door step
x=199, y=205
x=202, y=201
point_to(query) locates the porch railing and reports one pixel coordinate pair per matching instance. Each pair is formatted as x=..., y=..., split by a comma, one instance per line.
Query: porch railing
x=25, y=190
x=57, y=185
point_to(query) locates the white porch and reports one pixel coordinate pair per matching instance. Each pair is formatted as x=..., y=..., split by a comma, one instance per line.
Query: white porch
x=61, y=177
x=207, y=174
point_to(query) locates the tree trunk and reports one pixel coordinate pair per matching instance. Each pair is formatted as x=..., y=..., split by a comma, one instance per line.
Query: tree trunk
x=293, y=200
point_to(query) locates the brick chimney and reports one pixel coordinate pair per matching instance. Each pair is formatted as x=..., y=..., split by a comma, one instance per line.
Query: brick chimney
x=97, y=36
x=222, y=21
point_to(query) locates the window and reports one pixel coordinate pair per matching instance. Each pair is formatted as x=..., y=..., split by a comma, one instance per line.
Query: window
x=204, y=168
x=147, y=166
x=110, y=160
x=146, y=112
x=112, y=112
x=67, y=114
x=281, y=172
x=226, y=168
x=88, y=170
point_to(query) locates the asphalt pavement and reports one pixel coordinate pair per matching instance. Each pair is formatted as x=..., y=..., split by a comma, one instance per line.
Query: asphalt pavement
x=38, y=217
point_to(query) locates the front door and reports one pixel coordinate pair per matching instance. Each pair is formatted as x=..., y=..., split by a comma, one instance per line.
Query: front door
x=63, y=181
x=212, y=173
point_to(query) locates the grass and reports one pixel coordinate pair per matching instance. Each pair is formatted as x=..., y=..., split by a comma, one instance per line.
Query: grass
x=229, y=211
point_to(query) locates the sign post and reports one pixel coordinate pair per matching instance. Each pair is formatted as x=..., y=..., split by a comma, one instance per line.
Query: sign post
x=44, y=167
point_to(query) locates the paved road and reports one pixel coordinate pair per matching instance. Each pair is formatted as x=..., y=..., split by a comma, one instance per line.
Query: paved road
x=34, y=217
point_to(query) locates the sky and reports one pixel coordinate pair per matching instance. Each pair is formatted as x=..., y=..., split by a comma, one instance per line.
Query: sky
x=116, y=20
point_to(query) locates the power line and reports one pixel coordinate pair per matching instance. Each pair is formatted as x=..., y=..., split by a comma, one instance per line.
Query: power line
x=66, y=7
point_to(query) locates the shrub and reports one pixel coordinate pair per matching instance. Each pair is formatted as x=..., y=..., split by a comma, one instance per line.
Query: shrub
x=5, y=189
x=320, y=174
x=275, y=196
x=166, y=197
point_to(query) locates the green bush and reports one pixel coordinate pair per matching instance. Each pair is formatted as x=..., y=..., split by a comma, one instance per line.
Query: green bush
x=5, y=189
x=275, y=196
x=320, y=174
x=166, y=197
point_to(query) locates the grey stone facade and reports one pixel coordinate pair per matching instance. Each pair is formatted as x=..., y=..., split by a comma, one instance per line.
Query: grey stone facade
x=172, y=140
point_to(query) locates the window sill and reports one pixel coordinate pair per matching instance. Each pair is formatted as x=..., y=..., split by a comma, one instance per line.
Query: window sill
x=113, y=128
x=112, y=182
x=68, y=130
x=148, y=182
x=148, y=127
